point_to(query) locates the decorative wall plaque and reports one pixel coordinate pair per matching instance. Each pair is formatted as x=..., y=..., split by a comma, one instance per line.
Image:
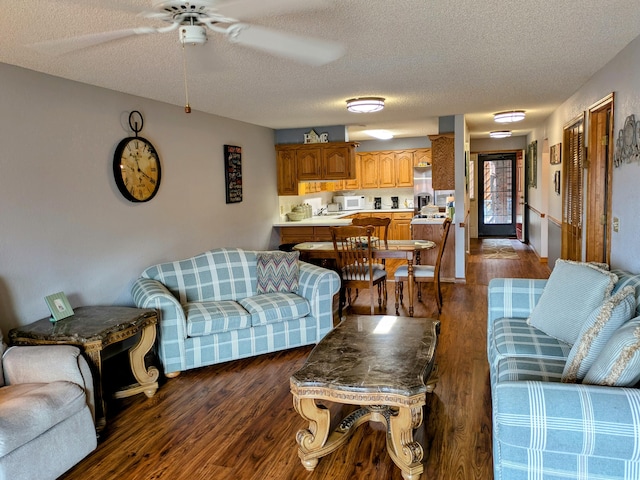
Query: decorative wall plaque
x=233, y=173
x=627, y=148
x=313, y=137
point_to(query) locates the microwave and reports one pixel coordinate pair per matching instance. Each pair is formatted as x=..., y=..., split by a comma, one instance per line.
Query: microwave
x=349, y=202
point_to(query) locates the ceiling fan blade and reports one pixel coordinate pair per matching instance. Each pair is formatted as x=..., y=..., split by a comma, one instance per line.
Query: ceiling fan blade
x=66, y=45
x=311, y=51
x=247, y=9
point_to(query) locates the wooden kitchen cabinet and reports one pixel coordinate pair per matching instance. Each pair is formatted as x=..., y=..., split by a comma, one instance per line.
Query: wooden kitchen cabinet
x=304, y=234
x=339, y=161
x=422, y=157
x=403, y=164
x=321, y=161
x=389, y=168
x=296, y=234
x=287, y=172
x=309, y=164
x=369, y=165
x=443, y=161
x=386, y=170
x=401, y=225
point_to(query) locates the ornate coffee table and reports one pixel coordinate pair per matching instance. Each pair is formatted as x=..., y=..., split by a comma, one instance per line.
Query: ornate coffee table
x=385, y=364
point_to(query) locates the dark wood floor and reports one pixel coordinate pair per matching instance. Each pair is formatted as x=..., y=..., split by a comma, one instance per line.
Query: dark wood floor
x=237, y=420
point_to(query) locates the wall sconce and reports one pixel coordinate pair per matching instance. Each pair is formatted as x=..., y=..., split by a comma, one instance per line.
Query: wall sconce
x=365, y=104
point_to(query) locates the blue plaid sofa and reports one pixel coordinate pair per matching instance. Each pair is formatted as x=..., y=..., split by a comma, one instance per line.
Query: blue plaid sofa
x=210, y=310
x=544, y=428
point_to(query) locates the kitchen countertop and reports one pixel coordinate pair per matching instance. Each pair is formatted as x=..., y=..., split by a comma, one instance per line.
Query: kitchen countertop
x=336, y=220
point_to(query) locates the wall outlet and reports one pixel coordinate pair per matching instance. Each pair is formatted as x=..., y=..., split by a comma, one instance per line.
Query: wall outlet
x=281, y=209
x=616, y=224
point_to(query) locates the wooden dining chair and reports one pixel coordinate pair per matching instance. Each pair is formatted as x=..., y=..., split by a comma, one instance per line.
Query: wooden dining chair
x=381, y=227
x=381, y=231
x=354, y=246
x=424, y=273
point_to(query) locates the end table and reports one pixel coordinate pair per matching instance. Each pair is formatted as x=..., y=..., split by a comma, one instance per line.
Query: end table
x=92, y=329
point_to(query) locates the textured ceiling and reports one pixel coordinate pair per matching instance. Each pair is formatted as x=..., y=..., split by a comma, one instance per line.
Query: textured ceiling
x=427, y=58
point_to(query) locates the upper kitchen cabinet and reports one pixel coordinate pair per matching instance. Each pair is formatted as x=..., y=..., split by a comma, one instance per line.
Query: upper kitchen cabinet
x=309, y=164
x=369, y=167
x=388, y=169
x=287, y=172
x=443, y=161
x=403, y=161
x=339, y=161
x=422, y=157
x=322, y=161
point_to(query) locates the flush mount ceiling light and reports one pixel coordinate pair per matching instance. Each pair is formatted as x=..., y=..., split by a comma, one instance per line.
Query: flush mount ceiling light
x=500, y=134
x=379, y=134
x=365, y=104
x=509, y=117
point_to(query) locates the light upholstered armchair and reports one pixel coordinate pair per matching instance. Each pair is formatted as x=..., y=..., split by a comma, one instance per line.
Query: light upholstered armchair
x=46, y=411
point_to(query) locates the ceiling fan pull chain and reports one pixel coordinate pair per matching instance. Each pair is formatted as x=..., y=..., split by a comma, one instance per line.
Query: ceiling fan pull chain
x=187, y=107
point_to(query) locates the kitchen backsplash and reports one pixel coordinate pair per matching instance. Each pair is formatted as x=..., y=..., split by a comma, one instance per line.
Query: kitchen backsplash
x=320, y=199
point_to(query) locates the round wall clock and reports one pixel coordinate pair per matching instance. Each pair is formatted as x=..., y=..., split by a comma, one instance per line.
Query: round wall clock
x=136, y=166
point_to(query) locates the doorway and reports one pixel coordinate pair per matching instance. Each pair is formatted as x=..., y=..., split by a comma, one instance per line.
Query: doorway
x=599, y=173
x=496, y=208
x=572, y=188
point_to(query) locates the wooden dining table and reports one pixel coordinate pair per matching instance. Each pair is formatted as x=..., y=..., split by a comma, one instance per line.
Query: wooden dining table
x=398, y=249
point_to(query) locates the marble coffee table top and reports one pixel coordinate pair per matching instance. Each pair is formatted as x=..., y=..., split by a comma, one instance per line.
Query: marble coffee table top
x=373, y=354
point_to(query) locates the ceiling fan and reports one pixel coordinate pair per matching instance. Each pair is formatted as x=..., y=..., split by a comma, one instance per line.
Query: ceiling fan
x=196, y=18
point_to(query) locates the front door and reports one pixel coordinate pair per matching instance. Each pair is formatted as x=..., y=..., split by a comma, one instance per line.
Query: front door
x=522, y=211
x=497, y=205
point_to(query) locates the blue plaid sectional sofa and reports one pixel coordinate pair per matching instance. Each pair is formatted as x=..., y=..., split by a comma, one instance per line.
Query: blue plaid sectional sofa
x=546, y=423
x=224, y=304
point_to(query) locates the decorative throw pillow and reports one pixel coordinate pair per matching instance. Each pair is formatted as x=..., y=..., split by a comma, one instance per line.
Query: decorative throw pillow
x=596, y=332
x=573, y=291
x=277, y=271
x=619, y=362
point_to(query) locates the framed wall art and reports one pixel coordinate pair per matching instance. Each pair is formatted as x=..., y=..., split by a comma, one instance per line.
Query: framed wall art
x=555, y=154
x=556, y=182
x=233, y=173
x=532, y=164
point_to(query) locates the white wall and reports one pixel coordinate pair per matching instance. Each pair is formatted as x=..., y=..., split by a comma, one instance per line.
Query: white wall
x=622, y=76
x=65, y=227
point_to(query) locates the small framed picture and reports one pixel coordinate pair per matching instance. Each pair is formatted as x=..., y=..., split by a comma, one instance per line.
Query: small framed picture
x=59, y=306
x=555, y=154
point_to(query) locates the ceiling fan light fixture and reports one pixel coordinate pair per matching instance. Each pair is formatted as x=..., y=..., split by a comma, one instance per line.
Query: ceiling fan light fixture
x=365, y=104
x=509, y=117
x=192, y=35
x=500, y=134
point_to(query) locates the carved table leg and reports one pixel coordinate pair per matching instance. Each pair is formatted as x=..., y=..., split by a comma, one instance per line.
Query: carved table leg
x=405, y=452
x=311, y=440
x=147, y=378
x=92, y=351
